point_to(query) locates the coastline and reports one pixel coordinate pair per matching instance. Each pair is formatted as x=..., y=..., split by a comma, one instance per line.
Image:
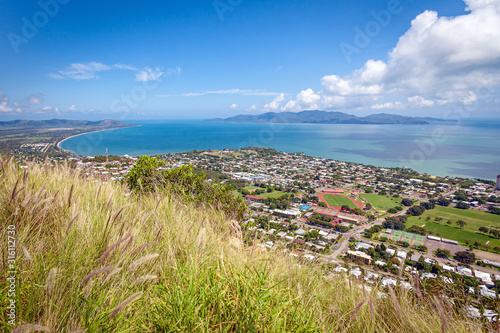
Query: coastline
x=101, y=130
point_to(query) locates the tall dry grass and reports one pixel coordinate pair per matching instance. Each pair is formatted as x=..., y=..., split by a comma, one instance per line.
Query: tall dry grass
x=92, y=258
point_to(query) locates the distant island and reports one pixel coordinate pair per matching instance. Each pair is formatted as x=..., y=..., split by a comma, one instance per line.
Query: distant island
x=327, y=117
x=41, y=138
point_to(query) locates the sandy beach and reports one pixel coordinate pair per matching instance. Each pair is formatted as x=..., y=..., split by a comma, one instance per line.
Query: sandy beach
x=72, y=136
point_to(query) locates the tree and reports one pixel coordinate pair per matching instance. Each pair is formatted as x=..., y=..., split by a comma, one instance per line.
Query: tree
x=461, y=223
x=443, y=201
x=346, y=208
x=465, y=257
x=393, y=224
x=442, y=253
x=416, y=210
x=420, y=265
x=483, y=229
x=417, y=230
x=462, y=205
x=322, y=204
x=368, y=206
x=422, y=248
x=148, y=176
x=427, y=205
x=407, y=202
x=494, y=210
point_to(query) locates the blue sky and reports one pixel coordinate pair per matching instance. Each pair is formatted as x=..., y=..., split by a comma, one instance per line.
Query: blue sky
x=204, y=59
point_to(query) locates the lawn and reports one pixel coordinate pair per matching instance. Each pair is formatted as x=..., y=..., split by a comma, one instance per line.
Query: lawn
x=251, y=187
x=274, y=194
x=338, y=201
x=381, y=202
x=473, y=218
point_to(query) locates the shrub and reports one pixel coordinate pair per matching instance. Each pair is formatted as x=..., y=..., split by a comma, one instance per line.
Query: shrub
x=148, y=175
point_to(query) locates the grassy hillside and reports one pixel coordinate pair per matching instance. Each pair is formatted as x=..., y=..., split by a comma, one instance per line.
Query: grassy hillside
x=474, y=219
x=90, y=257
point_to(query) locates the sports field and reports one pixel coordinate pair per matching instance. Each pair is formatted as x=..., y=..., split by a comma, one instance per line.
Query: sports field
x=338, y=201
x=409, y=235
x=381, y=202
x=274, y=194
x=398, y=235
x=473, y=218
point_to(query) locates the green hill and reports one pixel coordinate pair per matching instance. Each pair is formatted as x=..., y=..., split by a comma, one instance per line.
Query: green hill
x=94, y=257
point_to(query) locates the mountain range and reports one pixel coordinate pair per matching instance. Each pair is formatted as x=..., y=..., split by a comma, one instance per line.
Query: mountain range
x=63, y=123
x=327, y=117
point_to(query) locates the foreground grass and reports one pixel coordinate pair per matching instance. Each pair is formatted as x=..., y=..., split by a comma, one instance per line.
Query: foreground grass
x=92, y=258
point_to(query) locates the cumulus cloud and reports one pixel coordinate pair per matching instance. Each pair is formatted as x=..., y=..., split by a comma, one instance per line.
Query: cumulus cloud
x=253, y=108
x=149, y=74
x=35, y=98
x=306, y=99
x=420, y=101
x=275, y=104
x=438, y=61
x=234, y=106
x=389, y=105
x=33, y=106
x=4, y=100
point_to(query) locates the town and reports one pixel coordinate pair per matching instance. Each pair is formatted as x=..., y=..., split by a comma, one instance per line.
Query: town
x=388, y=225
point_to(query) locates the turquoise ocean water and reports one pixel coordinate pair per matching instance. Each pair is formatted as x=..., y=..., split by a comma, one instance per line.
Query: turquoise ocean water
x=468, y=148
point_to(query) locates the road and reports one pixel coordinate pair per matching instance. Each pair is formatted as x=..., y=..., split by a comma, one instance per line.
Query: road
x=356, y=233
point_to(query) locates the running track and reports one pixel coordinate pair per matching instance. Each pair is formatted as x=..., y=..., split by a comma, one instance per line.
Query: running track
x=338, y=208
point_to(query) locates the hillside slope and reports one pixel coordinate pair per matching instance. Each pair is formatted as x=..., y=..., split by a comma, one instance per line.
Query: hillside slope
x=93, y=258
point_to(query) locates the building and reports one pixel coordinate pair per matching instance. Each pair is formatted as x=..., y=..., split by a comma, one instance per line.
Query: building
x=359, y=255
x=253, y=198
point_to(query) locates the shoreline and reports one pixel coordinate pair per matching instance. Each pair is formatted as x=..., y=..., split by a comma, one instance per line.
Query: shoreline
x=101, y=130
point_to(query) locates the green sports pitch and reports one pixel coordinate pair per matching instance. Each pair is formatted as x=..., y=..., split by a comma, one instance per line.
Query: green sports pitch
x=408, y=235
x=338, y=201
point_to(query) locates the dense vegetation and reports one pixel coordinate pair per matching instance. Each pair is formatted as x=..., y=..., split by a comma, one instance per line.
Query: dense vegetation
x=149, y=175
x=93, y=257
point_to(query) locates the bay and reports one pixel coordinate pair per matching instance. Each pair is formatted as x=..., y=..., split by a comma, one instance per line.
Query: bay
x=465, y=149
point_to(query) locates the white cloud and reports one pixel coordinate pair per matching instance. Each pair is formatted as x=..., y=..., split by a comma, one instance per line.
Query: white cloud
x=148, y=74
x=439, y=60
x=306, y=99
x=253, y=108
x=4, y=100
x=275, y=104
x=420, y=101
x=81, y=71
x=35, y=98
x=4, y=107
x=389, y=105
x=124, y=66
x=234, y=106
x=244, y=92
x=90, y=70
